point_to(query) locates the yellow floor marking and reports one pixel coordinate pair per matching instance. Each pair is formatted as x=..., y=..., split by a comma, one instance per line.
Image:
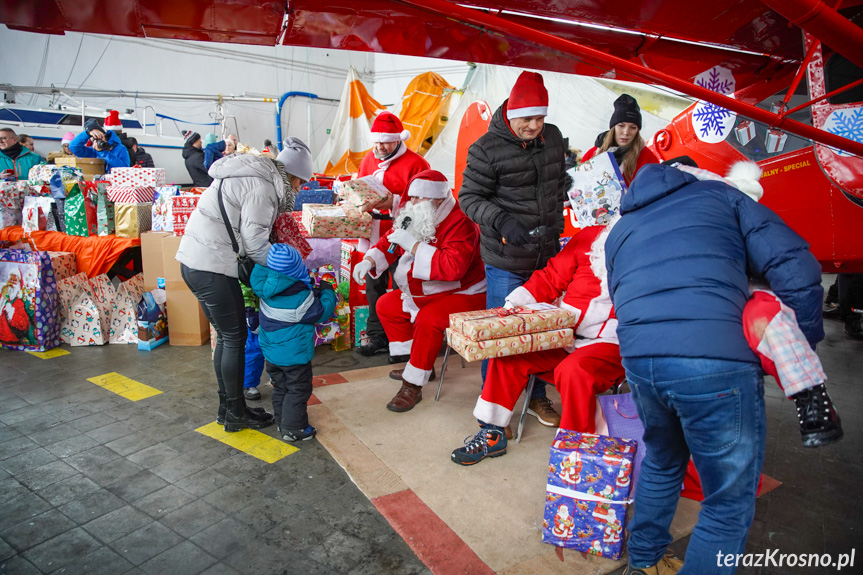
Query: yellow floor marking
x=124, y=387
x=51, y=353
x=249, y=441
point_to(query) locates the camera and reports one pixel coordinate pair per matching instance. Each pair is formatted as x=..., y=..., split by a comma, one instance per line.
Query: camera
x=103, y=145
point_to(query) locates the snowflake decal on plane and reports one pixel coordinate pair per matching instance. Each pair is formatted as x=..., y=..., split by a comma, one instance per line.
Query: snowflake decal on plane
x=847, y=123
x=711, y=122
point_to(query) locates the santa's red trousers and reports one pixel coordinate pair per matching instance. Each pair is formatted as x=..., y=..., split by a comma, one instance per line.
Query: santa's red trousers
x=423, y=338
x=578, y=376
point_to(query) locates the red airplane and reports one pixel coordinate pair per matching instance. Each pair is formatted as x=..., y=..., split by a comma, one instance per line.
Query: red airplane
x=737, y=57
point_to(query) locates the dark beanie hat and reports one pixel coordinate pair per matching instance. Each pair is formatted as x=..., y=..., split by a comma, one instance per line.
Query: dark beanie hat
x=191, y=137
x=625, y=110
x=93, y=124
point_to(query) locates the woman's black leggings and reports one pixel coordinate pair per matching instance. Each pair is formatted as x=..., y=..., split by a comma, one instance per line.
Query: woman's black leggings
x=222, y=301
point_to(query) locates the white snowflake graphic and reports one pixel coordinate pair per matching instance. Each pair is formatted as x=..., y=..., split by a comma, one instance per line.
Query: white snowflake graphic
x=847, y=123
x=711, y=122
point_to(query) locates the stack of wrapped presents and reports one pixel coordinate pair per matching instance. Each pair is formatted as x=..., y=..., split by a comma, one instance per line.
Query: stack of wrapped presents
x=499, y=332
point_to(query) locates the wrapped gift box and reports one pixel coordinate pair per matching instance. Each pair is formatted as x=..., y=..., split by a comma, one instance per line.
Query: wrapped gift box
x=298, y=218
x=588, y=493
x=343, y=340
x=184, y=205
x=364, y=193
x=286, y=231
x=90, y=167
x=496, y=323
x=138, y=177
x=132, y=220
x=312, y=196
x=131, y=194
x=351, y=256
x=775, y=140
x=597, y=187
x=745, y=132
x=326, y=332
x=11, y=204
x=472, y=350
x=342, y=221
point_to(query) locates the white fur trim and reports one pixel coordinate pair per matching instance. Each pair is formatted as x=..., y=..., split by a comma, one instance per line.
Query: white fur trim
x=423, y=261
x=492, y=413
x=387, y=137
x=527, y=112
x=444, y=209
x=433, y=287
x=520, y=296
x=405, y=135
x=415, y=375
x=478, y=287
x=429, y=189
x=597, y=256
x=380, y=260
x=401, y=347
x=746, y=176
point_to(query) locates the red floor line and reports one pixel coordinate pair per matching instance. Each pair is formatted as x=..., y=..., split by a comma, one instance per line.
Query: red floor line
x=435, y=544
x=329, y=379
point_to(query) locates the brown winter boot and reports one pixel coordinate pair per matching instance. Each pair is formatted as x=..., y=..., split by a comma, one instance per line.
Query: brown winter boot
x=396, y=374
x=407, y=397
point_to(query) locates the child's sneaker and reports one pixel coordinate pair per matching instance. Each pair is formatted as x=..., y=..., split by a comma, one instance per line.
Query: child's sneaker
x=293, y=435
x=488, y=442
x=819, y=423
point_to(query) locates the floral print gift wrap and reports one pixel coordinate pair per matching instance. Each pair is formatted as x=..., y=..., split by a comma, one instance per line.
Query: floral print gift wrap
x=481, y=325
x=325, y=221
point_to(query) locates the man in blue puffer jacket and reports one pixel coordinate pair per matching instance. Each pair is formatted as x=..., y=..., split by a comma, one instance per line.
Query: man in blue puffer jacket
x=289, y=309
x=97, y=142
x=678, y=266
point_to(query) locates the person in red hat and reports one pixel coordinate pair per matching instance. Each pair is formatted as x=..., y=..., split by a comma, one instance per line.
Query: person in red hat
x=513, y=188
x=393, y=164
x=438, y=272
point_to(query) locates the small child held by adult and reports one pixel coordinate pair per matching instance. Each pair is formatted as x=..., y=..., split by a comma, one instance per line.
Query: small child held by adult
x=290, y=306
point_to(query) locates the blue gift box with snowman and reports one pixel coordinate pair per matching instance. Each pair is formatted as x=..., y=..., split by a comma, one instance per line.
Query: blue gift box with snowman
x=589, y=482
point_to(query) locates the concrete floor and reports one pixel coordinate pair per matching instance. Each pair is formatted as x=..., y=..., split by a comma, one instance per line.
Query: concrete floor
x=93, y=483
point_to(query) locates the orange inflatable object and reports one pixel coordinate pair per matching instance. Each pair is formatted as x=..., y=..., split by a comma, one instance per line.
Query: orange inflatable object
x=94, y=255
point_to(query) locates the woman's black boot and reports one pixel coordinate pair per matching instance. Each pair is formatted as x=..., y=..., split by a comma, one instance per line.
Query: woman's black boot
x=238, y=416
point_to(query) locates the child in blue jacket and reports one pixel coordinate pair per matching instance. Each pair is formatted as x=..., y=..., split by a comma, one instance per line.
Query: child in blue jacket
x=289, y=309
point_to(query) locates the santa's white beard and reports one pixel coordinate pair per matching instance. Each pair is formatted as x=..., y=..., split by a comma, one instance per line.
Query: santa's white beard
x=422, y=224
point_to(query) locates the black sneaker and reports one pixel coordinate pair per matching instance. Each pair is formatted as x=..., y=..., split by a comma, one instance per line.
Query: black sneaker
x=252, y=393
x=819, y=423
x=374, y=346
x=293, y=435
x=486, y=443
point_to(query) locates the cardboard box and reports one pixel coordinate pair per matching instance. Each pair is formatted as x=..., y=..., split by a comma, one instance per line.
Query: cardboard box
x=151, y=258
x=91, y=167
x=186, y=321
x=170, y=266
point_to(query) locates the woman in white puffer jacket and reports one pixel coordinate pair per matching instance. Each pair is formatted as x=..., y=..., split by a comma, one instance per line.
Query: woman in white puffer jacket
x=255, y=189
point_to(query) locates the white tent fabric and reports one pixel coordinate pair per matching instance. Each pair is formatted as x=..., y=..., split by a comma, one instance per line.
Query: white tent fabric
x=578, y=105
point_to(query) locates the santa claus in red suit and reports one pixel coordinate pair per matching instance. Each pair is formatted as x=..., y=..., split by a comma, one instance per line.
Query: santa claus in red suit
x=14, y=321
x=563, y=523
x=439, y=272
x=392, y=164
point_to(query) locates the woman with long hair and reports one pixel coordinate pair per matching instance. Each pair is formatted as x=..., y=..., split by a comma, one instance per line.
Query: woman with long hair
x=623, y=139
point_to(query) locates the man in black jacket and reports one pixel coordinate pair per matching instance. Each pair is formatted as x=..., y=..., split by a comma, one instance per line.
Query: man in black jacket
x=193, y=153
x=513, y=189
x=141, y=156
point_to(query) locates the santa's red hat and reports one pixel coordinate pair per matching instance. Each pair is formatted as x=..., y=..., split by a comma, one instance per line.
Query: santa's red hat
x=388, y=128
x=429, y=184
x=528, y=97
x=112, y=122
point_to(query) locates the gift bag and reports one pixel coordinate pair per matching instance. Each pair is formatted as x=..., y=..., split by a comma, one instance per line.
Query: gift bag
x=104, y=211
x=28, y=301
x=132, y=219
x=587, y=493
x=286, y=231
x=124, y=312
x=80, y=211
x=69, y=290
x=90, y=315
x=597, y=186
x=622, y=420
x=33, y=217
x=152, y=320
x=162, y=211
x=11, y=204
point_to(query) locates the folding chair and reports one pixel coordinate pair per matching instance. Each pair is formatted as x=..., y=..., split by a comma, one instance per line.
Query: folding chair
x=443, y=367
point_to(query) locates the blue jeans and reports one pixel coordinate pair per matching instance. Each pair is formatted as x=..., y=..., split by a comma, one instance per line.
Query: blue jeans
x=254, y=361
x=714, y=410
x=500, y=284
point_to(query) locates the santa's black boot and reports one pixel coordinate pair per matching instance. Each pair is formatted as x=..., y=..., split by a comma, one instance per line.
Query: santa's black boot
x=238, y=416
x=819, y=423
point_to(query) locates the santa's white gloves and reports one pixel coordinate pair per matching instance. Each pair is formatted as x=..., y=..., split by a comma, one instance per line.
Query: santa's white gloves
x=361, y=270
x=403, y=238
x=518, y=297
